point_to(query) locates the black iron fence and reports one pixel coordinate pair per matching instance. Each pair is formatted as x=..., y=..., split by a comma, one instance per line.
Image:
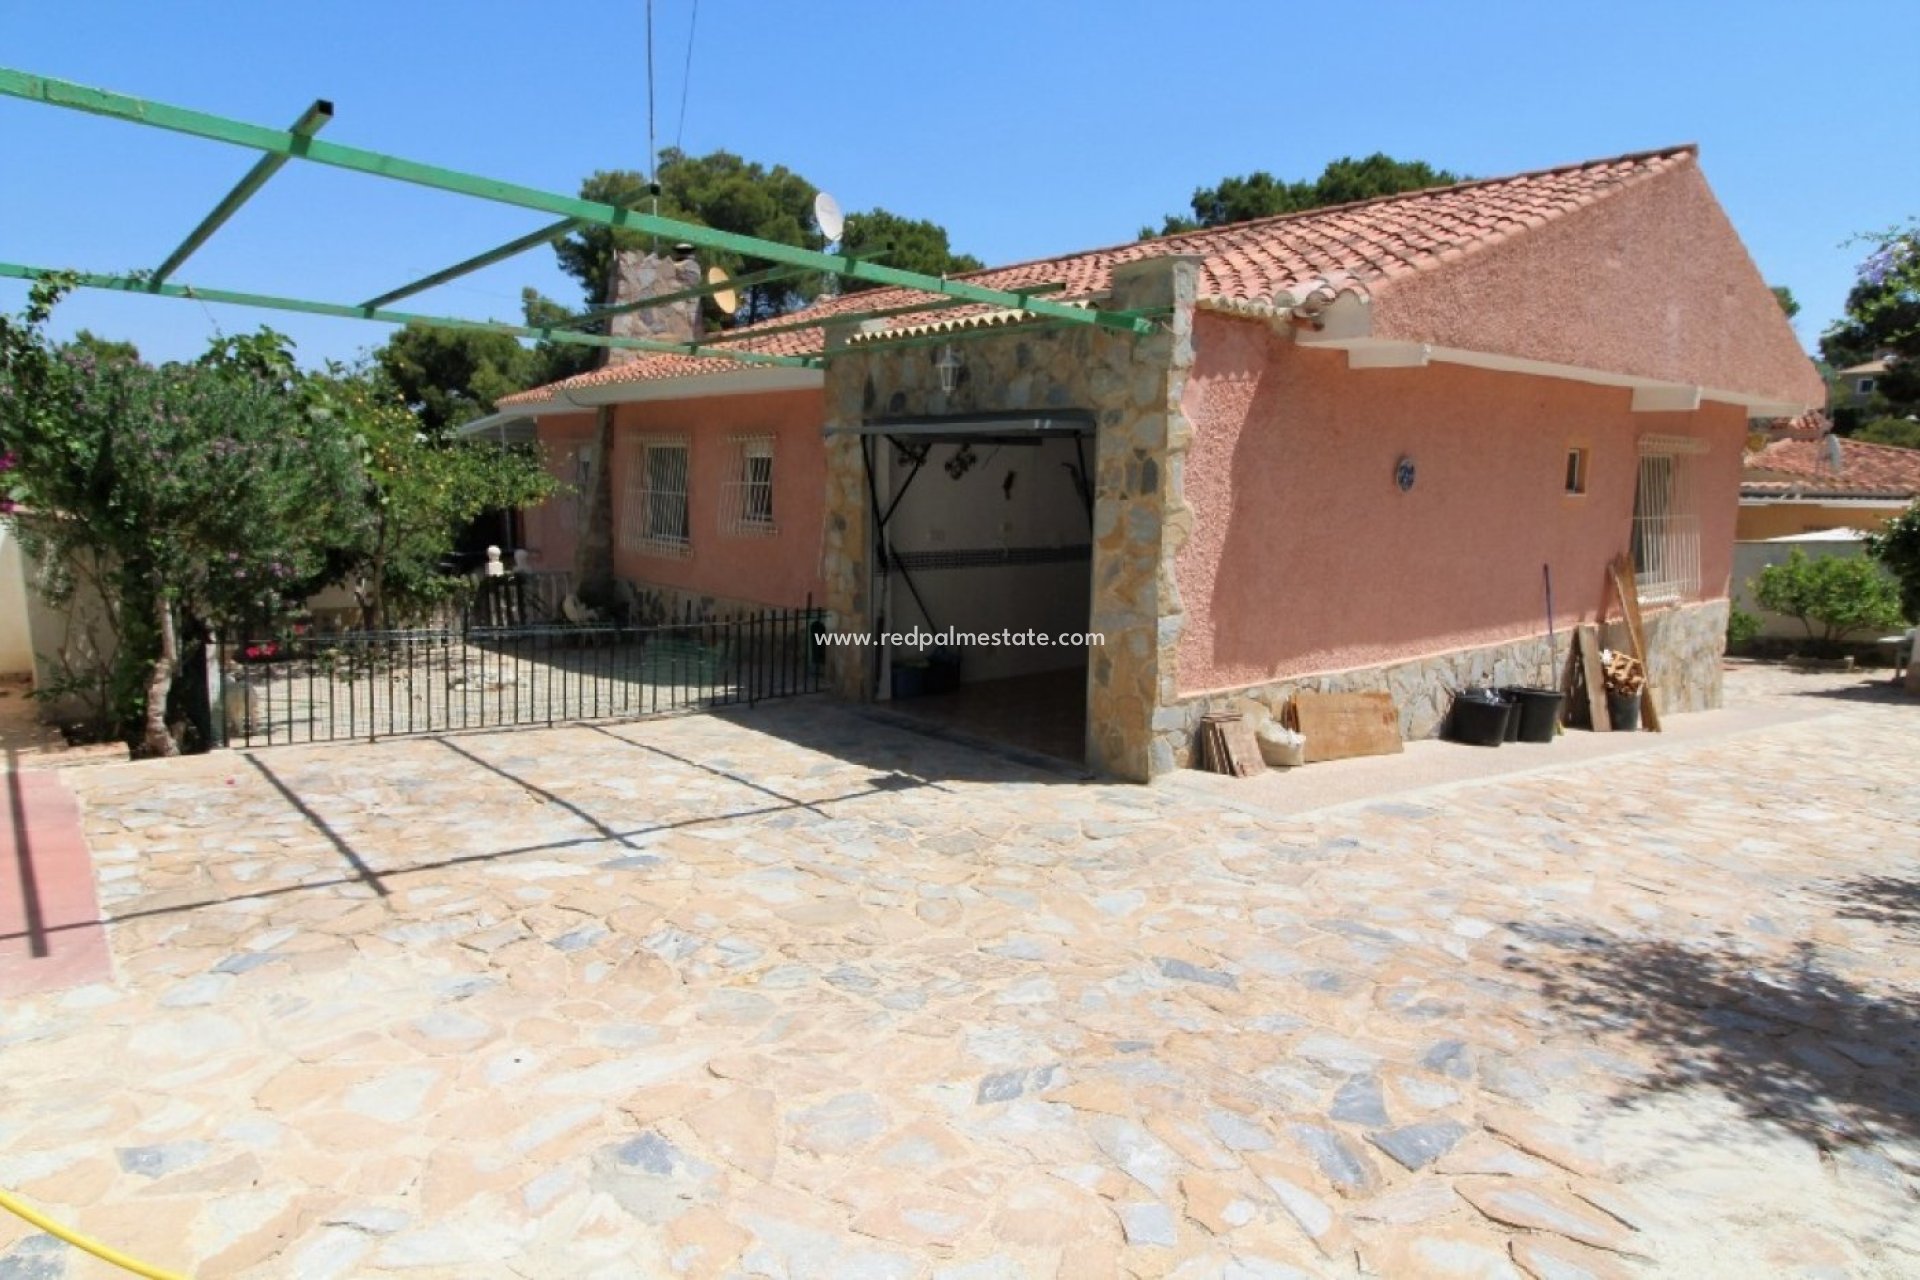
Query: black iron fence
x=289, y=684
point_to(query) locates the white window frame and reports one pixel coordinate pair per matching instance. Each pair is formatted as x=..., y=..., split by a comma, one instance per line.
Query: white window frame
x=746, y=503
x=1666, y=518
x=647, y=522
x=1864, y=387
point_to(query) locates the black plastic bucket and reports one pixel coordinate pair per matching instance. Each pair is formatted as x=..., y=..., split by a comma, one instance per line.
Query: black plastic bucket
x=1539, y=712
x=1624, y=710
x=1513, y=715
x=1479, y=718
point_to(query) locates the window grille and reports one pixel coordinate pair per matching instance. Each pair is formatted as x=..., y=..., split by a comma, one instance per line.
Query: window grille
x=747, y=503
x=1666, y=519
x=655, y=514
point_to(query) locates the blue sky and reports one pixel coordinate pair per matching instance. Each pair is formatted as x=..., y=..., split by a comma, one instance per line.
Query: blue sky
x=1026, y=128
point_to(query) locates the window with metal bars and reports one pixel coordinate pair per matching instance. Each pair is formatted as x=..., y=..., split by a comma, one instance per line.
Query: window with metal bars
x=1666, y=519
x=655, y=518
x=746, y=505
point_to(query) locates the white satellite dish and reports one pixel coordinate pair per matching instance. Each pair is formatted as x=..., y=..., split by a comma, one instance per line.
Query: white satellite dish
x=723, y=294
x=826, y=212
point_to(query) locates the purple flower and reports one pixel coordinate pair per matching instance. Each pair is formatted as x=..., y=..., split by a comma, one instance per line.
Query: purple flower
x=1885, y=261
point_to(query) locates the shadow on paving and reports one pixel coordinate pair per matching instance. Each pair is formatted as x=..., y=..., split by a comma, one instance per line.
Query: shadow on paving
x=888, y=742
x=1874, y=687
x=363, y=874
x=1789, y=1042
x=1884, y=900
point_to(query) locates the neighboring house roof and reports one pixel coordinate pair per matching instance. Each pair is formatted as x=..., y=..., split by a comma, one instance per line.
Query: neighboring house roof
x=1871, y=366
x=1805, y=469
x=1811, y=425
x=1359, y=247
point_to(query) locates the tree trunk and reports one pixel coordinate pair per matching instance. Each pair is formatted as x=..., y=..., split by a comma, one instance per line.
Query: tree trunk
x=593, y=553
x=158, y=741
x=373, y=601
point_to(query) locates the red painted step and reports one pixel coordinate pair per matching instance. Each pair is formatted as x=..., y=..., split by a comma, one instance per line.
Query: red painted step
x=51, y=936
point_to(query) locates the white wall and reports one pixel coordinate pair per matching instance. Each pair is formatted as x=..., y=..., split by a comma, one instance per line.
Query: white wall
x=78, y=633
x=16, y=642
x=976, y=513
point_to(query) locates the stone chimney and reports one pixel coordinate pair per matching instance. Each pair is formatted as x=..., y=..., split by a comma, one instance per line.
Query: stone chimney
x=638, y=274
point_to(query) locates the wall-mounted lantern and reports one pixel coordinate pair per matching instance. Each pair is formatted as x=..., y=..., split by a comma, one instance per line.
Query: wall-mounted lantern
x=949, y=363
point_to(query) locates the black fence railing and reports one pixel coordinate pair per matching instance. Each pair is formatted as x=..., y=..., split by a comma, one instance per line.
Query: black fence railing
x=290, y=685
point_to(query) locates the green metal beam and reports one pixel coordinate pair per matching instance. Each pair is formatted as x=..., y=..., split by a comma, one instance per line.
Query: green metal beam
x=312, y=121
x=532, y=240
x=662, y=299
x=133, y=284
x=63, y=93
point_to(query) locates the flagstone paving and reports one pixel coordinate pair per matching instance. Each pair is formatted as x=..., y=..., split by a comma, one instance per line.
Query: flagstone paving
x=794, y=994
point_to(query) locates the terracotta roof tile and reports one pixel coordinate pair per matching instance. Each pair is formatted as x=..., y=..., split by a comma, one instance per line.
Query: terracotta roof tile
x=1369, y=241
x=1794, y=465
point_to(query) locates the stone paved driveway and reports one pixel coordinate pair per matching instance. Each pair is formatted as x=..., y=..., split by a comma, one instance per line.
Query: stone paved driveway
x=797, y=995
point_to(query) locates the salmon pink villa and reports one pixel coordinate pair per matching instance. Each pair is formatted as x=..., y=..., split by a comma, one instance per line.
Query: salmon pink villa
x=1358, y=443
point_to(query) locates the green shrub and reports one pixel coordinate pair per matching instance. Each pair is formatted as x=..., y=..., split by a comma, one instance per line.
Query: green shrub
x=1897, y=547
x=1903, y=432
x=1742, y=629
x=1838, y=595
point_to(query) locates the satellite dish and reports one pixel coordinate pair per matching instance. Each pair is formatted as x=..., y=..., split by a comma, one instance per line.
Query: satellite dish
x=723, y=294
x=826, y=212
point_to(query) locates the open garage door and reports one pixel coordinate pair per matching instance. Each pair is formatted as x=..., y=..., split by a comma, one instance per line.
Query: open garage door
x=983, y=573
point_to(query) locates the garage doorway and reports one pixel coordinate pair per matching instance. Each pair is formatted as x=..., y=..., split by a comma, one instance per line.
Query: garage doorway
x=983, y=532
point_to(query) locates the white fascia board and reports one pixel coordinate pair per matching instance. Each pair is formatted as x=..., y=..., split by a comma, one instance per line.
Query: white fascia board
x=1650, y=395
x=1813, y=498
x=734, y=382
x=1665, y=398
x=1379, y=354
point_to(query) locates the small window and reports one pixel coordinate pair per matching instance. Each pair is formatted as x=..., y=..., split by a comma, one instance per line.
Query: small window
x=1864, y=386
x=747, y=505
x=655, y=518
x=1576, y=471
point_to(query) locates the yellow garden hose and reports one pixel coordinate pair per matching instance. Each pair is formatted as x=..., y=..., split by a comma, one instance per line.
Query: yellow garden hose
x=79, y=1241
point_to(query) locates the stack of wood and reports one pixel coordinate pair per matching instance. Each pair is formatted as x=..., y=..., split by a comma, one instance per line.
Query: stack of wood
x=1592, y=672
x=1625, y=674
x=1225, y=744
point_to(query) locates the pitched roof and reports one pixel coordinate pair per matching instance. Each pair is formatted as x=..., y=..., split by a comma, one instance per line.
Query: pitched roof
x=1811, y=425
x=1366, y=242
x=1793, y=467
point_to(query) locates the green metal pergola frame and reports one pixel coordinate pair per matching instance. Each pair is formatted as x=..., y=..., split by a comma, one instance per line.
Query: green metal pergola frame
x=278, y=146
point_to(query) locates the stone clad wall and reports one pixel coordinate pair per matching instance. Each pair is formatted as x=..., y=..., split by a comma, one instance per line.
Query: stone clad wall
x=1685, y=645
x=1133, y=386
x=639, y=275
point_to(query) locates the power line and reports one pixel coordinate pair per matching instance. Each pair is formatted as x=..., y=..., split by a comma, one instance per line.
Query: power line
x=686, y=77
